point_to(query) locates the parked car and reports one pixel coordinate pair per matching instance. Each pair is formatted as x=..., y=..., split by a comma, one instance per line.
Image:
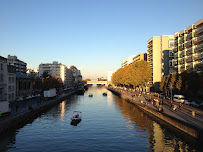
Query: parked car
x=179, y=98
x=187, y=102
x=194, y=104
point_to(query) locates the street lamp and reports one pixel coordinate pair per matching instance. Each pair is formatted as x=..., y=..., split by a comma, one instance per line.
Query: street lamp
x=171, y=88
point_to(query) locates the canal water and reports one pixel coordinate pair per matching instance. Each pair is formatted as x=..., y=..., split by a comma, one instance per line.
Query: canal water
x=109, y=123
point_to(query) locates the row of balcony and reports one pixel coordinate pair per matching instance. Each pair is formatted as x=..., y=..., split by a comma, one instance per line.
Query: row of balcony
x=198, y=39
x=198, y=48
x=198, y=56
x=199, y=30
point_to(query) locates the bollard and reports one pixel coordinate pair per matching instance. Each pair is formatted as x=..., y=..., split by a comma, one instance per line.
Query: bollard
x=193, y=113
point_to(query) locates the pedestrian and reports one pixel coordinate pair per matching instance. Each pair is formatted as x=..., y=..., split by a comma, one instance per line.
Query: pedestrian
x=180, y=105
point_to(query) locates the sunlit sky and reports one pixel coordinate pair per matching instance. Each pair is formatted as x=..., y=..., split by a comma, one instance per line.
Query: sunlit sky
x=94, y=35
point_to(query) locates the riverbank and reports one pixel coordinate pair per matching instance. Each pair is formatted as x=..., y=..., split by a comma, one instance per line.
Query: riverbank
x=181, y=120
x=29, y=113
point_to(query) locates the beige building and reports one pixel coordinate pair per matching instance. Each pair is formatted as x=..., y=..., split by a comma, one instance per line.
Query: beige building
x=127, y=61
x=3, y=79
x=188, y=48
x=11, y=83
x=159, y=56
x=140, y=57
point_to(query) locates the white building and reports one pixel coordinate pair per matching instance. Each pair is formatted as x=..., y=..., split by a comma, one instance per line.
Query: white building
x=127, y=61
x=56, y=69
x=76, y=74
x=110, y=73
x=69, y=79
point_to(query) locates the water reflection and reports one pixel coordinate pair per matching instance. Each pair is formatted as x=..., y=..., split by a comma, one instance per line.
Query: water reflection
x=63, y=109
x=159, y=138
x=110, y=124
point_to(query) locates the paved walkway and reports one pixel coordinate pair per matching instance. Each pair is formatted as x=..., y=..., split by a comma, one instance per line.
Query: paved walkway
x=19, y=107
x=186, y=113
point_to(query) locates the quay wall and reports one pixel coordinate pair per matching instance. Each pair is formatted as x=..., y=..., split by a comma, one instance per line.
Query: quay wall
x=29, y=115
x=182, y=128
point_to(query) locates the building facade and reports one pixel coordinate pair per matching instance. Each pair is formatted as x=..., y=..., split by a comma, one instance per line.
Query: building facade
x=3, y=79
x=188, y=48
x=11, y=83
x=76, y=74
x=20, y=65
x=69, y=79
x=140, y=57
x=56, y=69
x=127, y=61
x=159, y=56
x=24, y=86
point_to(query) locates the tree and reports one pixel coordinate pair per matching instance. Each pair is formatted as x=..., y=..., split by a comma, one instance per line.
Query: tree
x=173, y=80
x=51, y=82
x=162, y=84
x=45, y=74
x=179, y=83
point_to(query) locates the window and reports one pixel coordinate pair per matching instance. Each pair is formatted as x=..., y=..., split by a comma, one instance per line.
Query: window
x=12, y=79
x=170, y=63
x=9, y=79
x=1, y=66
x=1, y=77
x=171, y=43
x=170, y=53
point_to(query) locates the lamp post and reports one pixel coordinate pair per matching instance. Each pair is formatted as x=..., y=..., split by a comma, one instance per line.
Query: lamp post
x=171, y=88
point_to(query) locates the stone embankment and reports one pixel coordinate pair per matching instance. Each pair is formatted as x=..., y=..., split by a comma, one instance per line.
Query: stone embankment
x=180, y=120
x=29, y=113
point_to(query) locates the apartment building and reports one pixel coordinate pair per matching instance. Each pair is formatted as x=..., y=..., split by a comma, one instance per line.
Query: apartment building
x=159, y=56
x=11, y=83
x=69, y=79
x=3, y=79
x=76, y=74
x=20, y=65
x=56, y=69
x=188, y=48
x=140, y=57
x=127, y=61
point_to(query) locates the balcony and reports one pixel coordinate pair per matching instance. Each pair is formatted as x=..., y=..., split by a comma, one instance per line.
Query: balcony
x=181, y=61
x=189, y=51
x=189, y=36
x=182, y=67
x=189, y=66
x=176, y=41
x=174, y=62
x=198, y=31
x=198, y=56
x=198, y=48
x=175, y=50
x=181, y=39
x=198, y=40
x=182, y=54
x=181, y=47
x=176, y=55
x=189, y=59
x=188, y=44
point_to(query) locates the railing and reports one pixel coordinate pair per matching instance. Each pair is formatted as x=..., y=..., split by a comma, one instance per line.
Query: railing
x=189, y=51
x=199, y=47
x=181, y=47
x=189, y=66
x=199, y=30
x=176, y=41
x=198, y=56
x=189, y=36
x=182, y=54
x=174, y=62
x=181, y=61
x=189, y=43
x=174, y=50
x=181, y=39
x=176, y=55
x=189, y=59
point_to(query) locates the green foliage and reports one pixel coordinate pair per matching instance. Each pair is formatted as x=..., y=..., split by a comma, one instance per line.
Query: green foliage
x=135, y=74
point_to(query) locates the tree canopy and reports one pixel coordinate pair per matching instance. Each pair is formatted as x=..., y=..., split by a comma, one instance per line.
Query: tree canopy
x=135, y=74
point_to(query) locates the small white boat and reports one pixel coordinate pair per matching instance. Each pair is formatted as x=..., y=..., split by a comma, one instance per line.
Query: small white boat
x=90, y=95
x=77, y=117
x=104, y=94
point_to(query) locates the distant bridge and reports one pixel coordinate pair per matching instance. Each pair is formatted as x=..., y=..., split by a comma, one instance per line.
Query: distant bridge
x=97, y=82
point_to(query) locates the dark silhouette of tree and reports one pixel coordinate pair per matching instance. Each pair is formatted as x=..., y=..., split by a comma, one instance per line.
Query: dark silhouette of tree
x=45, y=74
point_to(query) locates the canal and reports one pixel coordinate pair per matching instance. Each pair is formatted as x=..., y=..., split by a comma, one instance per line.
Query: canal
x=109, y=123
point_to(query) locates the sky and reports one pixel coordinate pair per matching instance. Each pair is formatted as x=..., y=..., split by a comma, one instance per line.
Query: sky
x=94, y=35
